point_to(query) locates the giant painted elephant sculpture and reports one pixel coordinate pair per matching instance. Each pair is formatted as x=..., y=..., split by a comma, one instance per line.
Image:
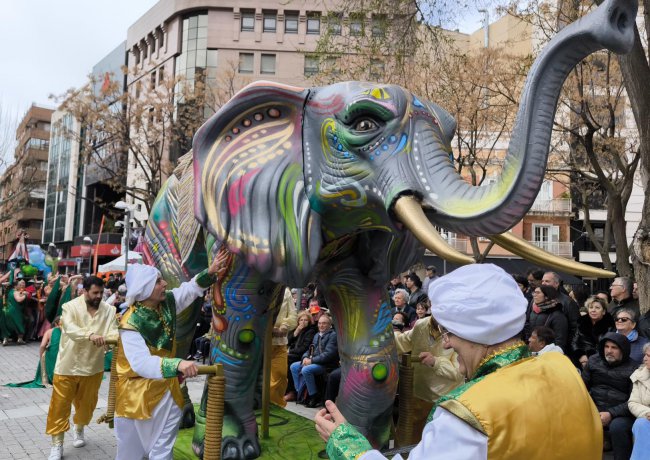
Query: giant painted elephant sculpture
x=342, y=184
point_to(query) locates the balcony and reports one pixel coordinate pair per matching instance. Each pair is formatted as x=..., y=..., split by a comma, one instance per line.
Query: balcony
x=555, y=206
x=564, y=249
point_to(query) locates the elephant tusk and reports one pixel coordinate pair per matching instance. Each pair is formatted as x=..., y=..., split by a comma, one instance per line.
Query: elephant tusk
x=410, y=213
x=537, y=255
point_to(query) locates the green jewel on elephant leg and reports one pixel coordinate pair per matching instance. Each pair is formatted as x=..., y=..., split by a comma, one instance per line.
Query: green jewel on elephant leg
x=379, y=372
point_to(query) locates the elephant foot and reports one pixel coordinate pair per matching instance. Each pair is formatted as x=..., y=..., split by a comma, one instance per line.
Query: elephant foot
x=187, y=417
x=245, y=447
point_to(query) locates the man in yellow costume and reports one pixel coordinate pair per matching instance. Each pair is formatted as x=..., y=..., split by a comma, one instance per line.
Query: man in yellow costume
x=148, y=396
x=85, y=323
x=507, y=396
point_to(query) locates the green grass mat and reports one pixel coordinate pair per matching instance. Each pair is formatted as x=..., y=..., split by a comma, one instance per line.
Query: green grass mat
x=292, y=437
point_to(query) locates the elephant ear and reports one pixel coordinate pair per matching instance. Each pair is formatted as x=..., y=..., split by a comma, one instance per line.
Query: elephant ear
x=249, y=182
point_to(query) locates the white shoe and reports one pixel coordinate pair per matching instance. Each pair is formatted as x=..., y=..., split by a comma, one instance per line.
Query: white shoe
x=78, y=438
x=56, y=453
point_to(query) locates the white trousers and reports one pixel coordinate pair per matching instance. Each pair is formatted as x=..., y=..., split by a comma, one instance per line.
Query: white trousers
x=154, y=437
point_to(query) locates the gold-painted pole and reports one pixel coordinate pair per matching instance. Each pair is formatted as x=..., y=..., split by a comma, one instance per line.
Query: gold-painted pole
x=405, y=435
x=215, y=411
x=266, y=377
x=109, y=416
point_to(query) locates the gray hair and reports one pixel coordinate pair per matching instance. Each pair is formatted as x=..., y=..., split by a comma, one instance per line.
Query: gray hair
x=629, y=311
x=403, y=292
x=646, y=347
x=626, y=283
x=555, y=276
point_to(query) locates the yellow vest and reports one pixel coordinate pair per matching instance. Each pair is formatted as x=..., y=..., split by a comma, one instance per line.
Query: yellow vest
x=136, y=397
x=536, y=408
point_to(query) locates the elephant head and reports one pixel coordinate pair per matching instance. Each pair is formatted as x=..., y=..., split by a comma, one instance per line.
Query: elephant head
x=281, y=172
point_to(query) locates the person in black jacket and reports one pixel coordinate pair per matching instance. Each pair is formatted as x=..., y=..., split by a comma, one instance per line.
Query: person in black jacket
x=322, y=355
x=547, y=311
x=299, y=341
x=591, y=328
x=569, y=307
x=607, y=377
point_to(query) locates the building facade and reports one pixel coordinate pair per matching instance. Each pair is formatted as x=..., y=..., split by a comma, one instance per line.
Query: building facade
x=22, y=185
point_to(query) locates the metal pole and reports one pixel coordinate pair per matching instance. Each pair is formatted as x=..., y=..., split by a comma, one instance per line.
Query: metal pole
x=127, y=236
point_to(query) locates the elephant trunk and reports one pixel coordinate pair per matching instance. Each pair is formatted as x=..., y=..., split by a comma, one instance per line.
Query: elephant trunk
x=496, y=208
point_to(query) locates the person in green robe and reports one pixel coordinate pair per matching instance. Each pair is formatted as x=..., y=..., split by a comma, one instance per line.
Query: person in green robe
x=14, y=313
x=48, y=352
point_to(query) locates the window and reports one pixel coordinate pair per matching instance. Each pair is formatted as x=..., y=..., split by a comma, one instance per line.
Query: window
x=377, y=70
x=378, y=26
x=313, y=24
x=161, y=76
x=161, y=38
x=267, y=66
x=546, y=236
x=248, y=21
x=270, y=18
x=311, y=65
x=334, y=23
x=291, y=23
x=356, y=25
x=245, y=62
x=152, y=81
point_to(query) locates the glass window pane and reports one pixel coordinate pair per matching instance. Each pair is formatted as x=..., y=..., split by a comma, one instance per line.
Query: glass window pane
x=311, y=65
x=212, y=58
x=191, y=45
x=245, y=62
x=356, y=26
x=192, y=34
x=247, y=21
x=191, y=58
x=291, y=24
x=268, y=64
x=193, y=21
x=202, y=32
x=203, y=20
x=313, y=25
x=201, y=43
x=201, y=56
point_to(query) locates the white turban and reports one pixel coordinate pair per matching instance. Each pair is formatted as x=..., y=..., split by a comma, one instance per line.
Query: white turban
x=140, y=281
x=479, y=302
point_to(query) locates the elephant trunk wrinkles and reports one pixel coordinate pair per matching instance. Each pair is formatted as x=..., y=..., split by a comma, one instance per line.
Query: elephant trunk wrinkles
x=496, y=208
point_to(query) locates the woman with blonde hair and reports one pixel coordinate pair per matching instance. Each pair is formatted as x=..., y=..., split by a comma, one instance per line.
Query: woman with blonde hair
x=299, y=341
x=590, y=328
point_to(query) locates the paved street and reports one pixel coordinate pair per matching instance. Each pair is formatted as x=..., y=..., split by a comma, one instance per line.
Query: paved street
x=23, y=412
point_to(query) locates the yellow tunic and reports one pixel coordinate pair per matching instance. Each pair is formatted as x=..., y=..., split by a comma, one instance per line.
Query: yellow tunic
x=136, y=396
x=77, y=354
x=526, y=418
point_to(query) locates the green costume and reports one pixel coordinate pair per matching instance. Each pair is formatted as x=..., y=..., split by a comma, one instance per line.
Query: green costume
x=346, y=443
x=49, y=359
x=14, y=319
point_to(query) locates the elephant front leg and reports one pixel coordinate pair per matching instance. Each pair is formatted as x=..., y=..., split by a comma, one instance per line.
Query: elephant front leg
x=240, y=315
x=362, y=317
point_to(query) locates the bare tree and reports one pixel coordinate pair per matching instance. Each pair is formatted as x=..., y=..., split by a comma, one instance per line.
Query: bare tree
x=8, y=125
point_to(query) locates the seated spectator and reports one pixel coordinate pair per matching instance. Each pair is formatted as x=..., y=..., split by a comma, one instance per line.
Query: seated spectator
x=314, y=310
x=437, y=372
x=400, y=299
x=323, y=355
x=621, y=292
x=547, y=311
x=591, y=328
x=523, y=284
x=299, y=341
x=542, y=340
x=639, y=405
x=607, y=377
x=400, y=322
x=626, y=325
x=202, y=346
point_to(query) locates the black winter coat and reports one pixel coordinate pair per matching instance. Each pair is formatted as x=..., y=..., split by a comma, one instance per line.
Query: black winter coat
x=610, y=385
x=300, y=344
x=555, y=319
x=585, y=340
x=324, y=350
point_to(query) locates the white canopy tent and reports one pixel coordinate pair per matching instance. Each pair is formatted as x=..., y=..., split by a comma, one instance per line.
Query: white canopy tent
x=118, y=264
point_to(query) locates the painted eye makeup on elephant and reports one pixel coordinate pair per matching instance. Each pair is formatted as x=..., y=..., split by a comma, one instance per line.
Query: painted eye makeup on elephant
x=344, y=184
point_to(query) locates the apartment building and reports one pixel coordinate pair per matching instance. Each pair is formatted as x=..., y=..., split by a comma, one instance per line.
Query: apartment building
x=22, y=185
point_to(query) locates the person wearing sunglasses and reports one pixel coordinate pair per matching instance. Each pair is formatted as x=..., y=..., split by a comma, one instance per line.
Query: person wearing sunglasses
x=507, y=395
x=625, y=324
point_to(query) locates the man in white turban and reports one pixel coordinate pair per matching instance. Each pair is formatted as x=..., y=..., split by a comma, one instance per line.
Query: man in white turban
x=507, y=395
x=148, y=396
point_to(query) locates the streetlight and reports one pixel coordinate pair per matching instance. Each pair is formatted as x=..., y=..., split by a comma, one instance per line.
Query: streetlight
x=128, y=213
x=89, y=242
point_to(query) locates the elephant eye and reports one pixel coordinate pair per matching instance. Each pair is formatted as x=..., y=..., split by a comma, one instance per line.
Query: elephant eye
x=365, y=125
